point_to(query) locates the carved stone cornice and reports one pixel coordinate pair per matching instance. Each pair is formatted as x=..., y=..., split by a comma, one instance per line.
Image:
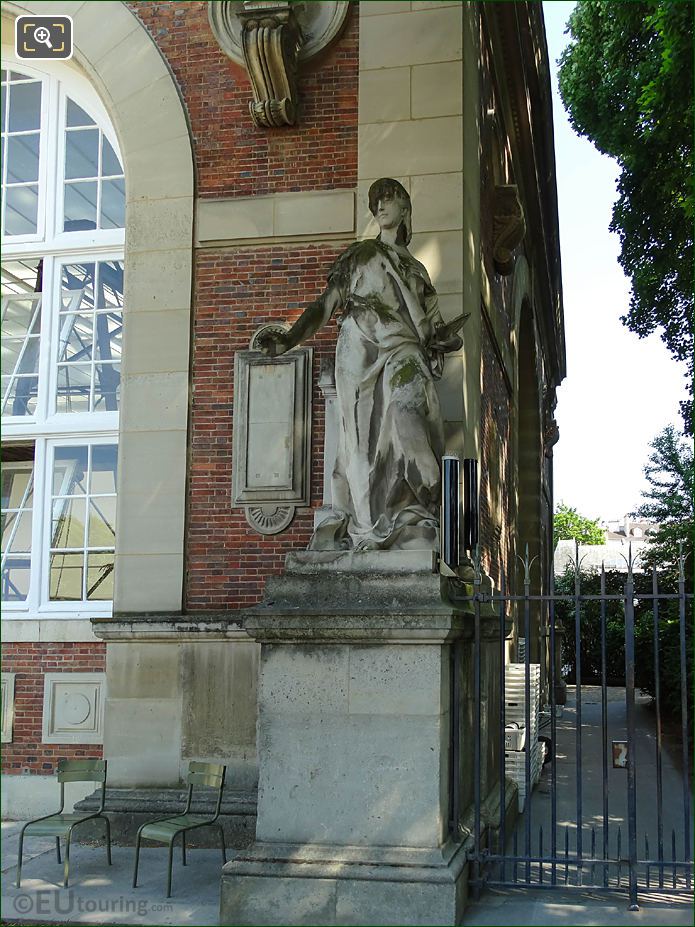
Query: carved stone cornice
x=270, y=38
x=509, y=226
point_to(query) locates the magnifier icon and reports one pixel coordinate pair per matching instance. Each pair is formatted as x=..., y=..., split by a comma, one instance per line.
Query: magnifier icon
x=42, y=35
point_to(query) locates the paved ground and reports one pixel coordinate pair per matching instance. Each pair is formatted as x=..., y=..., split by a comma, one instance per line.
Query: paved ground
x=100, y=894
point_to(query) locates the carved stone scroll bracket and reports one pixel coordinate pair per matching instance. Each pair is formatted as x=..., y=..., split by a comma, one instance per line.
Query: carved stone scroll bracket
x=270, y=38
x=509, y=227
x=551, y=431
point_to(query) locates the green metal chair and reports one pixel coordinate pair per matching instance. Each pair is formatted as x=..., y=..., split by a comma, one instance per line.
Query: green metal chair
x=62, y=825
x=165, y=830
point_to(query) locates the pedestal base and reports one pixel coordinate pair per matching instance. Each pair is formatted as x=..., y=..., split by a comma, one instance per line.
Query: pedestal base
x=309, y=884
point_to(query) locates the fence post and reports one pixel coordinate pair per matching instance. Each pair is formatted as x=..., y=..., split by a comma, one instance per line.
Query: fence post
x=630, y=712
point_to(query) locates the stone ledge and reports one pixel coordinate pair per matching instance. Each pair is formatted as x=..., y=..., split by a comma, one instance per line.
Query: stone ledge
x=191, y=626
x=264, y=889
x=127, y=809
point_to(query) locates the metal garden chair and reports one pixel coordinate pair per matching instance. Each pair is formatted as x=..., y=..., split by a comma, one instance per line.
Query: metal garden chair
x=61, y=824
x=165, y=830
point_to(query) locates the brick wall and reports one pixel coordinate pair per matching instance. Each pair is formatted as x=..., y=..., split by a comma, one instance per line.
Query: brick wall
x=233, y=157
x=238, y=290
x=29, y=661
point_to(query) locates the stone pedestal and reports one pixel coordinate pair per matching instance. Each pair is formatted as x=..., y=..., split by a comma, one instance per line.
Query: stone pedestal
x=354, y=741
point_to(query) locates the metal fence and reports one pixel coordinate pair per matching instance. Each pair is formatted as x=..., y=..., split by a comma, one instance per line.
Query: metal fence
x=608, y=812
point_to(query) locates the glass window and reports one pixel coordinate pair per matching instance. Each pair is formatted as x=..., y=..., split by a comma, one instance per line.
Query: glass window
x=17, y=506
x=63, y=216
x=83, y=523
x=21, y=143
x=21, y=333
x=89, y=342
x=90, y=201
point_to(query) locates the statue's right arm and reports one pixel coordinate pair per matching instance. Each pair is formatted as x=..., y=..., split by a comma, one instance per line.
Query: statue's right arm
x=310, y=321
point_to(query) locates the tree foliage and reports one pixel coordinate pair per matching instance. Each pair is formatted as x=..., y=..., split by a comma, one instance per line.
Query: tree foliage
x=669, y=499
x=614, y=609
x=569, y=525
x=626, y=79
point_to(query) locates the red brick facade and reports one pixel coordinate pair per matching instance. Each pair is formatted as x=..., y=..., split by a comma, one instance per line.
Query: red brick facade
x=27, y=754
x=232, y=156
x=236, y=292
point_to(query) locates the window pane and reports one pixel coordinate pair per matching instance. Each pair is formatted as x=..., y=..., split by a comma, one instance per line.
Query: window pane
x=67, y=530
x=16, y=532
x=23, y=158
x=70, y=471
x=22, y=395
x=21, y=277
x=15, y=75
x=104, y=461
x=82, y=153
x=66, y=577
x=109, y=159
x=74, y=385
x=100, y=576
x=78, y=277
x=20, y=314
x=107, y=387
x=76, y=116
x=17, y=488
x=102, y=522
x=76, y=337
x=110, y=293
x=109, y=332
x=113, y=204
x=17, y=496
x=25, y=107
x=80, y=206
x=4, y=110
x=21, y=210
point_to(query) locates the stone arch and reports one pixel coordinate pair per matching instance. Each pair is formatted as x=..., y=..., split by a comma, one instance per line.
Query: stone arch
x=140, y=94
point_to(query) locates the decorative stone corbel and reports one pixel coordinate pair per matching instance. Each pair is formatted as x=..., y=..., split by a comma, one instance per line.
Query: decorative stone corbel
x=551, y=431
x=509, y=226
x=270, y=38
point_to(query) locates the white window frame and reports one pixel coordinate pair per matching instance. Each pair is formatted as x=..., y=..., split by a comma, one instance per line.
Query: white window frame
x=47, y=429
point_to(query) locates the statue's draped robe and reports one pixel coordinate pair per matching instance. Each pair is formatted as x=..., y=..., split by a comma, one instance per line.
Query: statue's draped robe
x=386, y=480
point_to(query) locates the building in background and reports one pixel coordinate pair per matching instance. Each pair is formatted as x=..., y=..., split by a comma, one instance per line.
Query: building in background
x=152, y=225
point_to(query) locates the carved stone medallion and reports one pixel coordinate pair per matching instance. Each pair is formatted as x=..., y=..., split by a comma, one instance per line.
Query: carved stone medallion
x=270, y=518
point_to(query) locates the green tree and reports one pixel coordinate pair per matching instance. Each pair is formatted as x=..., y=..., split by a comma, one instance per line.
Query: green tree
x=669, y=499
x=626, y=79
x=569, y=525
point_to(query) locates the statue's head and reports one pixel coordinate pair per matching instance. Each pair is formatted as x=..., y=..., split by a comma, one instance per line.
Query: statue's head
x=387, y=189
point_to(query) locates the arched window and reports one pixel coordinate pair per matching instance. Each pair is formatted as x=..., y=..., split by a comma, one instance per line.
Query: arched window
x=63, y=218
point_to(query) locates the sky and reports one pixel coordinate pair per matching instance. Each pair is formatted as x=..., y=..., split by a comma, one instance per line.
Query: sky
x=620, y=390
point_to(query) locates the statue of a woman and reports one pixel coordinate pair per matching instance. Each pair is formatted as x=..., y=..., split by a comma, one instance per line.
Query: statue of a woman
x=386, y=480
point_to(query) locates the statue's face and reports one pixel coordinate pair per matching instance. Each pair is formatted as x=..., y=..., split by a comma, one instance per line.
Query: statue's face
x=390, y=211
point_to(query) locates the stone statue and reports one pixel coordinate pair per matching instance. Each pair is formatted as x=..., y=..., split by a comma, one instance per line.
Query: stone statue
x=391, y=346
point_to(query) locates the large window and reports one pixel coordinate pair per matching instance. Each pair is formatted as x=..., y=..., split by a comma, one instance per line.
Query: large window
x=63, y=217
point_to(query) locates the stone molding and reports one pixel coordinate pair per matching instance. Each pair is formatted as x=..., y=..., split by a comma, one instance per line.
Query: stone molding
x=7, y=707
x=284, y=217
